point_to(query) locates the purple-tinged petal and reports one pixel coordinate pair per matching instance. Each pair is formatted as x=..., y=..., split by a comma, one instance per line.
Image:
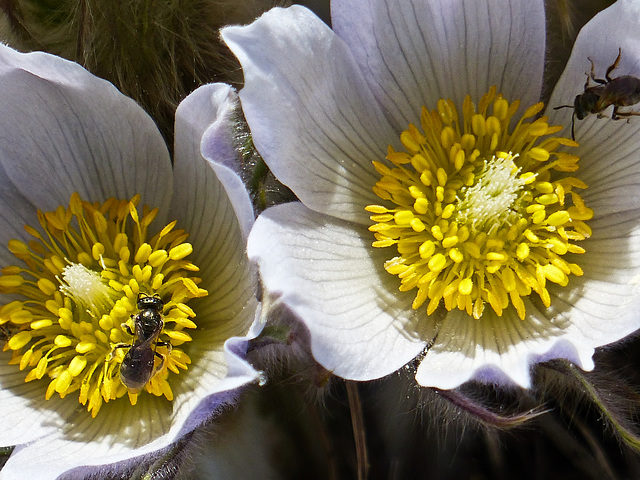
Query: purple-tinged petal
x=210, y=113
x=208, y=213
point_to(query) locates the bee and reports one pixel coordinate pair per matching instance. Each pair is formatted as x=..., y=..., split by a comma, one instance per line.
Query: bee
x=621, y=91
x=137, y=368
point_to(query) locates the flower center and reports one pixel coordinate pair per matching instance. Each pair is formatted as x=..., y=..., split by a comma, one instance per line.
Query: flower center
x=479, y=214
x=86, y=288
x=490, y=200
x=78, y=317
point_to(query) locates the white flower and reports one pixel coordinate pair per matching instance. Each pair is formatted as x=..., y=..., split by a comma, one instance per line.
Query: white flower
x=465, y=247
x=67, y=134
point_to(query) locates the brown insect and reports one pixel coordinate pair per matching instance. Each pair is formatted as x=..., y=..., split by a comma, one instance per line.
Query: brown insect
x=621, y=91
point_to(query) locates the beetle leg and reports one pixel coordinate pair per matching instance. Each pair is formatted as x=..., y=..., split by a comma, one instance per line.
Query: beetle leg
x=613, y=65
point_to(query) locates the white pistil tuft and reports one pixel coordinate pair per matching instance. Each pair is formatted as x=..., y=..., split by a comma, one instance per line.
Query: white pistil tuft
x=86, y=288
x=491, y=201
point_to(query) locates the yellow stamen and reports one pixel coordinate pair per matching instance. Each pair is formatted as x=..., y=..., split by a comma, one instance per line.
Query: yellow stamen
x=80, y=283
x=479, y=214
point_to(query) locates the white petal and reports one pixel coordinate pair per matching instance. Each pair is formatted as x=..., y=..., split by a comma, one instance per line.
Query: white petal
x=605, y=301
x=611, y=191
x=216, y=362
x=62, y=435
x=602, y=140
x=494, y=349
x=22, y=415
x=415, y=52
x=112, y=436
x=53, y=428
x=205, y=211
x=328, y=274
x=312, y=116
x=15, y=212
x=64, y=130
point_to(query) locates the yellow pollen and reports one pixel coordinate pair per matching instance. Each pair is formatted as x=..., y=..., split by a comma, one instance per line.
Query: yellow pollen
x=78, y=289
x=478, y=213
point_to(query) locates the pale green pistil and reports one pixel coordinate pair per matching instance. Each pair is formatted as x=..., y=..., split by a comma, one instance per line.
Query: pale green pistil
x=87, y=288
x=492, y=201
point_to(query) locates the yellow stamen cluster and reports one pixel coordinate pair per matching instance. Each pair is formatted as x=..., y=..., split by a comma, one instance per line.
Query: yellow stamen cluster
x=78, y=289
x=479, y=213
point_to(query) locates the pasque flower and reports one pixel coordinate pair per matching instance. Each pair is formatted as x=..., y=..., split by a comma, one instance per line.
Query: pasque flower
x=445, y=215
x=95, y=218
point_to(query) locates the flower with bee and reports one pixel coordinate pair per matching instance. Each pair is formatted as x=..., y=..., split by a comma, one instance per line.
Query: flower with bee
x=97, y=221
x=446, y=217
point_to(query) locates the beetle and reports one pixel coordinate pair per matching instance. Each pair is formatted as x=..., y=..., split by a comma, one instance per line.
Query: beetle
x=137, y=367
x=621, y=91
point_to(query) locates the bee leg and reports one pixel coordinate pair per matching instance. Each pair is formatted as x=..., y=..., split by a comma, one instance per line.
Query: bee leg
x=165, y=344
x=616, y=115
x=5, y=333
x=586, y=84
x=592, y=75
x=126, y=327
x=613, y=65
x=162, y=358
x=120, y=345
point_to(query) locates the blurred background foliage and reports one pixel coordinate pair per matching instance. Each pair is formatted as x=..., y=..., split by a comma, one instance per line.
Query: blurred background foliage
x=156, y=52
